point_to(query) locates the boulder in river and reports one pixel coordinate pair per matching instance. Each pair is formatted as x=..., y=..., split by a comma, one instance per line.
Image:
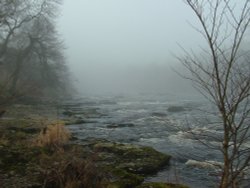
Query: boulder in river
x=176, y=109
x=159, y=114
x=120, y=125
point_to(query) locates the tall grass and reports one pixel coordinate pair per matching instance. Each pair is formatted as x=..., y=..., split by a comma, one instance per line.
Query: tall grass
x=71, y=169
x=54, y=135
x=66, y=167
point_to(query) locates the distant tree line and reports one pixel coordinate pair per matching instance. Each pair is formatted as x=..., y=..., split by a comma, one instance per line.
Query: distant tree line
x=32, y=63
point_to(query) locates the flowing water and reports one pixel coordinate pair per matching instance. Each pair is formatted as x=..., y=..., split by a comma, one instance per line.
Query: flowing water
x=149, y=120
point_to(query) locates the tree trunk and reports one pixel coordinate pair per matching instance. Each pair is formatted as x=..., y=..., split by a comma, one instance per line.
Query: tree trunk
x=225, y=175
x=19, y=64
x=225, y=179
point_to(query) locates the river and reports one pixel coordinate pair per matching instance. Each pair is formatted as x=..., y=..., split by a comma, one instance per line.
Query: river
x=172, y=124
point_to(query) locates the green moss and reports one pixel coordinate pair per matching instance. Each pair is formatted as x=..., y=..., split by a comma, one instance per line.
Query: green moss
x=17, y=158
x=128, y=164
x=16, y=123
x=123, y=179
x=161, y=185
x=135, y=159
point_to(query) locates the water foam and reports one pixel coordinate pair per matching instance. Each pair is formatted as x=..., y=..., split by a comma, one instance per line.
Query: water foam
x=207, y=164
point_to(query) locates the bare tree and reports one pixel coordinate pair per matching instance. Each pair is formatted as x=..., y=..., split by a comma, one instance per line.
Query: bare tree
x=16, y=14
x=31, y=53
x=222, y=74
x=39, y=56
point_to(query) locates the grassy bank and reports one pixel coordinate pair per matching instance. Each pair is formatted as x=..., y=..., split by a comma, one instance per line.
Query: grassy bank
x=36, y=150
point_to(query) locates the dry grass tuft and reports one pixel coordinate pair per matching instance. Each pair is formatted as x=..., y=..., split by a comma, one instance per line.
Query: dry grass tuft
x=4, y=140
x=54, y=135
x=68, y=170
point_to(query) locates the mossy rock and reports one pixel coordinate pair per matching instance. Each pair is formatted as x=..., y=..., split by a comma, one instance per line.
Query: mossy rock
x=17, y=158
x=16, y=130
x=161, y=185
x=135, y=159
x=19, y=123
x=122, y=179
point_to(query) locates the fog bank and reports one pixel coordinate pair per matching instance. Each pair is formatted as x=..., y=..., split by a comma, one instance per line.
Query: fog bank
x=127, y=46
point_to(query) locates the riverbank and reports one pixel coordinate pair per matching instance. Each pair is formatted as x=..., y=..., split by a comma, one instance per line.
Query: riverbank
x=71, y=163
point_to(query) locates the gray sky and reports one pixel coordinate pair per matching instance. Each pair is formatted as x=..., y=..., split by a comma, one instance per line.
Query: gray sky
x=126, y=45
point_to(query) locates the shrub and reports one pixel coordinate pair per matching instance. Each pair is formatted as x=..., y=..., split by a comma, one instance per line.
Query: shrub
x=54, y=135
x=69, y=170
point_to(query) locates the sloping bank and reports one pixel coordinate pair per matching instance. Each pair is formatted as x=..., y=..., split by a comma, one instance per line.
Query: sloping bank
x=107, y=164
x=130, y=164
x=53, y=161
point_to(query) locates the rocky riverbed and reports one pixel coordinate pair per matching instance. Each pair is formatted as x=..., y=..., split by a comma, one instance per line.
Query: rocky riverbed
x=94, y=162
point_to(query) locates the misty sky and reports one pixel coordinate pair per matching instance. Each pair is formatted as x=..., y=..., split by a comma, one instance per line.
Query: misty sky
x=127, y=45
